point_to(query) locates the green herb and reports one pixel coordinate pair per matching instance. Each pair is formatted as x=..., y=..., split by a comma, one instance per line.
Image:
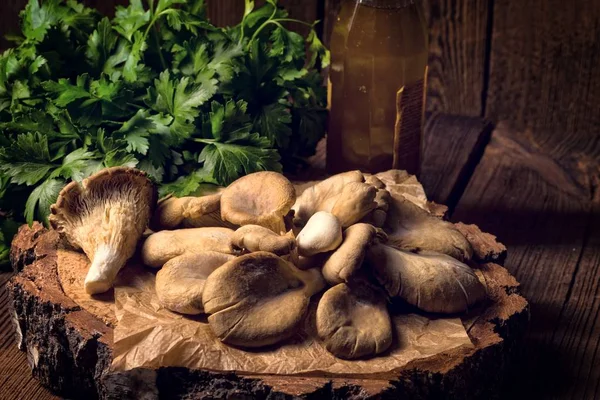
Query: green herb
x=157, y=87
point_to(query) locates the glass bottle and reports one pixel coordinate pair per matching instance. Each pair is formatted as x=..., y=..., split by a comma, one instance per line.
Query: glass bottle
x=377, y=86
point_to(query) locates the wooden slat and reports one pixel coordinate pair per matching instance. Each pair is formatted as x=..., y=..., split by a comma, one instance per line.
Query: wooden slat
x=16, y=381
x=453, y=146
x=544, y=75
x=457, y=51
x=543, y=213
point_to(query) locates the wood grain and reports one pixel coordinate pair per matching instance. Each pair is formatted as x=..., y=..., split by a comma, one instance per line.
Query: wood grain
x=16, y=381
x=457, y=50
x=544, y=75
x=453, y=146
x=544, y=214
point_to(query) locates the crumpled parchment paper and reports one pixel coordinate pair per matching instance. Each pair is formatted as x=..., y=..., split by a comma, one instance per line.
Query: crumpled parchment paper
x=148, y=335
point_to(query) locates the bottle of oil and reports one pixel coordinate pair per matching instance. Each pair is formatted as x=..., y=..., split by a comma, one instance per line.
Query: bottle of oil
x=377, y=86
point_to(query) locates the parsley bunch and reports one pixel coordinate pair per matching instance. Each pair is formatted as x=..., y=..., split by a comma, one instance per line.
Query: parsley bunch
x=157, y=87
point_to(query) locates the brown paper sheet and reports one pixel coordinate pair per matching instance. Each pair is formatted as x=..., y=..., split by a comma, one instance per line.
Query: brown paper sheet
x=148, y=335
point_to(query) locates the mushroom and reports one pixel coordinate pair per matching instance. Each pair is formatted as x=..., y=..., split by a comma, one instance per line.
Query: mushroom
x=180, y=282
x=344, y=195
x=322, y=233
x=262, y=198
x=348, y=258
x=432, y=282
x=258, y=299
x=378, y=216
x=189, y=212
x=411, y=228
x=258, y=238
x=162, y=246
x=105, y=216
x=353, y=321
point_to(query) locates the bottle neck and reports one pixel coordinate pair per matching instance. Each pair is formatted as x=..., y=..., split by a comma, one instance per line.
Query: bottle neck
x=391, y=4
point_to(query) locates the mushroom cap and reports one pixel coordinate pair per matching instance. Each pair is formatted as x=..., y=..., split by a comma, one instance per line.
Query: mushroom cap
x=322, y=196
x=162, y=246
x=180, y=282
x=259, y=238
x=353, y=321
x=188, y=212
x=432, y=282
x=262, y=198
x=105, y=214
x=258, y=299
x=411, y=228
x=322, y=233
x=343, y=264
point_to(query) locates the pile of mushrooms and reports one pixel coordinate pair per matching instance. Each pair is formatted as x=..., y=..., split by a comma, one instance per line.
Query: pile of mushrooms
x=254, y=254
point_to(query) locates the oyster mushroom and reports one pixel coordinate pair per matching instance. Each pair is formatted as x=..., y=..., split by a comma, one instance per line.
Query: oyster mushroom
x=258, y=238
x=162, y=246
x=105, y=216
x=322, y=233
x=180, y=282
x=353, y=321
x=262, y=198
x=189, y=212
x=258, y=299
x=348, y=258
x=411, y=228
x=344, y=195
x=432, y=282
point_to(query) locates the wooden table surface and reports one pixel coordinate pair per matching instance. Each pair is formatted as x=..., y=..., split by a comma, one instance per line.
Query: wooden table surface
x=543, y=206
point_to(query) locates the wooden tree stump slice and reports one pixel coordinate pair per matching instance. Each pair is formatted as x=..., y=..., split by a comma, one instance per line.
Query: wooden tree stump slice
x=68, y=340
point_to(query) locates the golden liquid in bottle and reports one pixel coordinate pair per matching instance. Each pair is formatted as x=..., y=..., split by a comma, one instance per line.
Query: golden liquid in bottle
x=379, y=52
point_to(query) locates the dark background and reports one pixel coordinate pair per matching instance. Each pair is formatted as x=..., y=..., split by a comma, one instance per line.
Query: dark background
x=532, y=63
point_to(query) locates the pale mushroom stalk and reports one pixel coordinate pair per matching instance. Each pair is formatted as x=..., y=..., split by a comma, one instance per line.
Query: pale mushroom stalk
x=105, y=216
x=322, y=233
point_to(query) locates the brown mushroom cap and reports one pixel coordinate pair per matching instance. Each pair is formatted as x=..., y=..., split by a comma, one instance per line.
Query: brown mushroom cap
x=353, y=321
x=180, y=282
x=189, y=212
x=343, y=264
x=262, y=198
x=432, y=282
x=411, y=228
x=258, y=299
x=105, y=215
x=162, y=246
x=258, y=238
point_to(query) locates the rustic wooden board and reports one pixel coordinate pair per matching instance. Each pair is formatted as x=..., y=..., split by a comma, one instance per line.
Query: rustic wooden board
x=71, y=349
x=544, y=75
x=453, y=146
x=543, y=213
x=458, y=33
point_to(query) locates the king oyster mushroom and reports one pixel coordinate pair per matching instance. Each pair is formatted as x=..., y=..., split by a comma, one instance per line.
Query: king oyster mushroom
x=353, y=321
x=345, y=195
x=262, y=198
x=189, y=212
x=258, y=238
x=409, y=227
x=343, y=264
x=378, y=216
x=105, y=216
x=162, y=246
x=180, y=282
x=432, y=282
x=258, y=299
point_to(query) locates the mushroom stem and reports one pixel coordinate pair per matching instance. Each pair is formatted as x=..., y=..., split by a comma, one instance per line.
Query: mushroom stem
x=103, y=271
